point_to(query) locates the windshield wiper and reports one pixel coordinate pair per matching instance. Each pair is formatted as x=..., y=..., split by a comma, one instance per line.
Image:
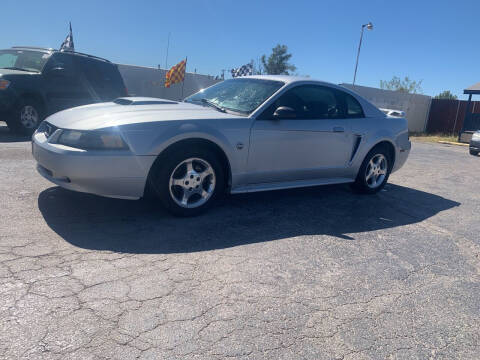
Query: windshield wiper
x=212, y=104
x=17, y=68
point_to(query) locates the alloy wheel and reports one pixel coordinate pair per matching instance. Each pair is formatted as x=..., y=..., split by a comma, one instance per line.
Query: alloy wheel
x=29, y=117
x=192, y=183
x=376, y=171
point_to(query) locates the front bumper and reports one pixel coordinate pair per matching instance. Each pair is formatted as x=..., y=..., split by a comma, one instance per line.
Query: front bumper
x=475, y=145
x=117, y=174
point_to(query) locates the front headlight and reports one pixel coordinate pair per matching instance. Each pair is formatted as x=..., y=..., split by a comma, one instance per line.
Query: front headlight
x=91, y=140
x=476, y=136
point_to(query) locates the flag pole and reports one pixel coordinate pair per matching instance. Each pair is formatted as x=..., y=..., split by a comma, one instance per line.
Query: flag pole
x=184, y=75
x=168, y=45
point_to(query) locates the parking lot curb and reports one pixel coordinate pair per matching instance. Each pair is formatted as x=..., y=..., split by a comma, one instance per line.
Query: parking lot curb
x=452, y=143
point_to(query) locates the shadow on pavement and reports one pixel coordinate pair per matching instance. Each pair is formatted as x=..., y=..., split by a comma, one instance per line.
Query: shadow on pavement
x=97, y=223
x=7, y=136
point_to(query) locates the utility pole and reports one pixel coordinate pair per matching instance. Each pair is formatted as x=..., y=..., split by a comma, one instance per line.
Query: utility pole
x=369, y=26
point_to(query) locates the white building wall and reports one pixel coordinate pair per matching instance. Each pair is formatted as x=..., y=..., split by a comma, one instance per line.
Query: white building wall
x=416, y=106
x=147, y=81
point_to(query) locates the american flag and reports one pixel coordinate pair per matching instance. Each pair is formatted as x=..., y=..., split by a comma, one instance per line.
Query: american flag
x=68, y=45
x=242, y=70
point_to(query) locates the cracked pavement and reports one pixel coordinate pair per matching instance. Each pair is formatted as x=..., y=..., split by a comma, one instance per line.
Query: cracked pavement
x=316, y=273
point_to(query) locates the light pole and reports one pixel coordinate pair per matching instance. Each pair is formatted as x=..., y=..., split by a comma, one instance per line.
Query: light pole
x=369, y=26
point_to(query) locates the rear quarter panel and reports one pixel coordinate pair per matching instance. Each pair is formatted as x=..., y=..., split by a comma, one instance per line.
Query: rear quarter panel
x=375, y=130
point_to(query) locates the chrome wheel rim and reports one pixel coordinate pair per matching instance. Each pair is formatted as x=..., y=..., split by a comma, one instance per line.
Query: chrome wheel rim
x=28, y=117
x=376, y=171
x=192, y=183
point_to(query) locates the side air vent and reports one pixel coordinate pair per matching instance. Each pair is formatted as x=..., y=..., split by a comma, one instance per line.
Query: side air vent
x=140, y=101
x=356, y=145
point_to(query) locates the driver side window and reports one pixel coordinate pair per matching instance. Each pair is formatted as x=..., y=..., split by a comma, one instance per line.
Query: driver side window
x=60, y=60
x=310, y=102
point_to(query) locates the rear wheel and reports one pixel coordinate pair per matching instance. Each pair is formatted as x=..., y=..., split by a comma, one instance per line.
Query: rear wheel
x=188, y=181
x=374, y=172
x=26, y=116
x=473, y=152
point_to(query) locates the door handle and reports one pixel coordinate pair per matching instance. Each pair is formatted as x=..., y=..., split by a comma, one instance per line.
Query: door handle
x=338, y=129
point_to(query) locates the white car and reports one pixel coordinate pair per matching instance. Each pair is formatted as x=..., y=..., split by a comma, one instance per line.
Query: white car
x=241, y=135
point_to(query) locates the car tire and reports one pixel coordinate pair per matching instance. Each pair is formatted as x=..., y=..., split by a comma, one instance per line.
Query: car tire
x=374, y=171
x=187, y=181
x=473, y=152
x=26, y=116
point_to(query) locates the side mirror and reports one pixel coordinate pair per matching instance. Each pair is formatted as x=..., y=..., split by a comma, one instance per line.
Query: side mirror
x=284, y=112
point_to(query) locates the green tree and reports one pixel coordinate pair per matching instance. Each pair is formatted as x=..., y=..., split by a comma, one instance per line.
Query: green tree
x=406, y=85
x=446, y=95
x=277, y=63
x=257, y=67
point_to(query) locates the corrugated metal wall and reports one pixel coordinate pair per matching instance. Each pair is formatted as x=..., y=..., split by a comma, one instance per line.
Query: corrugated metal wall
x=145, y=81
x=416, y=106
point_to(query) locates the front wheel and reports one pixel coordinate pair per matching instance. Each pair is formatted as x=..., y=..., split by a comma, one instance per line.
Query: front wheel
x=473, y=152
x=188, y=182
x=26, y=117
x=374, y=172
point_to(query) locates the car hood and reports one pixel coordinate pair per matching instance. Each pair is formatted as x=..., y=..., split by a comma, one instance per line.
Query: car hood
x=109, y=114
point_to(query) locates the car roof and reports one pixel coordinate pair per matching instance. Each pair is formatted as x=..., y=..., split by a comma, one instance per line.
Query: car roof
x=51, y=51
x=287, y=79
x=33, y=48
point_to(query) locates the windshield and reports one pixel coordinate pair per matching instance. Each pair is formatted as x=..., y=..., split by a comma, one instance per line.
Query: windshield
x=238, y=95
x=23, y=60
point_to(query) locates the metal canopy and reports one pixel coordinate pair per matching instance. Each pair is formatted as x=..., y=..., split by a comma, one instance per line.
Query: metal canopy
x=474, y=89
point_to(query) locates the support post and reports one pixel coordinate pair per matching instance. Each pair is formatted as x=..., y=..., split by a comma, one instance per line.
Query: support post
x=467, y=114
x=184, y=75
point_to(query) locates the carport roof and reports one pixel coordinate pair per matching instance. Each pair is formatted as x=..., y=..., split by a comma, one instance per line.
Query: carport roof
x=474, y=89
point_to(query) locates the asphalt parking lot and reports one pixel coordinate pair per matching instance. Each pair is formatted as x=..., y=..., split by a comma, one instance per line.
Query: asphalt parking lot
x=303, y=274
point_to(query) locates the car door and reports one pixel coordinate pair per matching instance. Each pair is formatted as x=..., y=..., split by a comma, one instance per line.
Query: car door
x=63, y=88
x=314, y=143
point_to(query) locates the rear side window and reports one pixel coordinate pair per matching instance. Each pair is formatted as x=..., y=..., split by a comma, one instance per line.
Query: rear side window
x=102, y=77
x=354, y=109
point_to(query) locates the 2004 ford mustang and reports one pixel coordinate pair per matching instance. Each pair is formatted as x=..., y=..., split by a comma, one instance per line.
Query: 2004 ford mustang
x=241, y=135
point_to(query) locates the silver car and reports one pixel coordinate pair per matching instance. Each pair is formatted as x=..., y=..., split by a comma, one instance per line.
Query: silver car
x=242, y=135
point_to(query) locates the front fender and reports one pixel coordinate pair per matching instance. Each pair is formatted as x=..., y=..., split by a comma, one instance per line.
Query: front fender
x=157, y=137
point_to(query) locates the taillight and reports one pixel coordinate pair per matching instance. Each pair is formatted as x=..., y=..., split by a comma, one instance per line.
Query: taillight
x=126, y=91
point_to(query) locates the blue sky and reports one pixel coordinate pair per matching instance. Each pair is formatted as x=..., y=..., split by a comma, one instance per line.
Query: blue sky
x=433, y=41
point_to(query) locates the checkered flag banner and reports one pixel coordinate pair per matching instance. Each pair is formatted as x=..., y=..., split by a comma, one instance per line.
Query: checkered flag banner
x=68, y=45
x=244, y=70
x=176, y=74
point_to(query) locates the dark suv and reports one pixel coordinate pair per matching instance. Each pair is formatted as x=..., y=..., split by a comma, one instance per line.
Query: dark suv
x=37, y=82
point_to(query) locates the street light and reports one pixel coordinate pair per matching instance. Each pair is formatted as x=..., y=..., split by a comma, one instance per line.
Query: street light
x=369, y=26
